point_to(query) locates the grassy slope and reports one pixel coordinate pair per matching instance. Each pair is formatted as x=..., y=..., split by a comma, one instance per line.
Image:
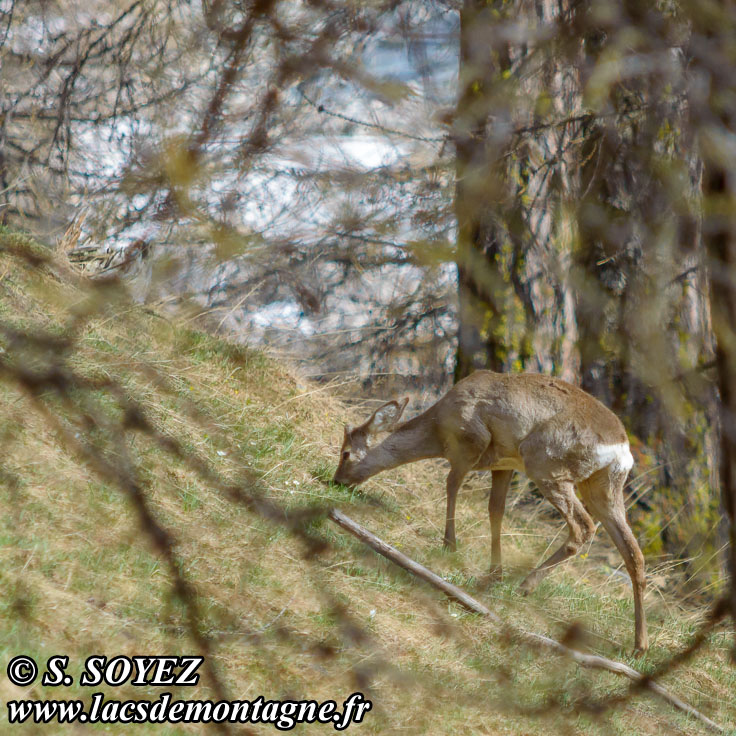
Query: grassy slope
x=78, y=576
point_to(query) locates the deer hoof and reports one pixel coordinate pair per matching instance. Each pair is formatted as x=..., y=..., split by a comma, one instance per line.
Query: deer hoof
x=641, y=650
x=528, y=584
x=494, y=575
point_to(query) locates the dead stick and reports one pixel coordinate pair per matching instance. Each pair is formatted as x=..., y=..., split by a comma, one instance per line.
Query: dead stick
x=592, y=661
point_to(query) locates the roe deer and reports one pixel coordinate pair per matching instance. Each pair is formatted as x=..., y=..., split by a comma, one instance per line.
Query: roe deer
x=556, y=434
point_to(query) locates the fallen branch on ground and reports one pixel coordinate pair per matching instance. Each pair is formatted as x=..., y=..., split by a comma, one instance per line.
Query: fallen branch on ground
x=592, y=661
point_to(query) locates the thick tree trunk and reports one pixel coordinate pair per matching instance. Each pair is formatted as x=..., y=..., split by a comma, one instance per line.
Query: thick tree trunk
x=713, y=110
x=644, y=331
x=482, y=291
x=515, y=307
x=720, y=241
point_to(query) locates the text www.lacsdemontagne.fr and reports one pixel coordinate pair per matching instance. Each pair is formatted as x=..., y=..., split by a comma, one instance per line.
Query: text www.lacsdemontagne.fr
x=282, y=714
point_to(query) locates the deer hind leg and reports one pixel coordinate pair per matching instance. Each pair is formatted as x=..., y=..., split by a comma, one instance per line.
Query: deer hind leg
x=603, y=495
x=561, y=494
x=500, y=481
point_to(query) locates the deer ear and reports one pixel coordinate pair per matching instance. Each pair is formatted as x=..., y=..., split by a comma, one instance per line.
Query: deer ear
x=385, y=417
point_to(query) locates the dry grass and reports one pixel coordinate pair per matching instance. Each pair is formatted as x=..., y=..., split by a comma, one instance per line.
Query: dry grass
x=79, y=576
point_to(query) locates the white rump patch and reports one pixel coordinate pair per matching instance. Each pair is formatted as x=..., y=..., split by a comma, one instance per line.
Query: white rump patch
x=618, y=455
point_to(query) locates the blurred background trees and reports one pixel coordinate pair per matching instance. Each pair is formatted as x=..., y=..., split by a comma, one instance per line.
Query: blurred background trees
x=403, y=192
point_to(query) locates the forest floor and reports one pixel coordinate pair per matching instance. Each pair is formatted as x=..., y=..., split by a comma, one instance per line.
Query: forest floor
x=231, y=454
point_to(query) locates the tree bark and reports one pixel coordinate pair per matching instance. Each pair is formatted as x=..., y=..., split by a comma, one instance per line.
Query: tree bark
x=713, y=109
x=482, y=292
x=515, y=309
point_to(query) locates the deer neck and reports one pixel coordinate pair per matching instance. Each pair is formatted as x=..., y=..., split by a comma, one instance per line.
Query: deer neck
x=413, y=440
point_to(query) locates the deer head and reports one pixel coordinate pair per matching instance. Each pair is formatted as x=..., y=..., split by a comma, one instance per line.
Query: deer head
x=358, y=441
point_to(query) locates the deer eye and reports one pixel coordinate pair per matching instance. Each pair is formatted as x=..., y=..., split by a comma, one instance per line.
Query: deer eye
x=346, y=455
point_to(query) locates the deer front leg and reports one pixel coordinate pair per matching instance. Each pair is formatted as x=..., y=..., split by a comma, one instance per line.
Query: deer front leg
x=500, y=481
x=454, y=481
